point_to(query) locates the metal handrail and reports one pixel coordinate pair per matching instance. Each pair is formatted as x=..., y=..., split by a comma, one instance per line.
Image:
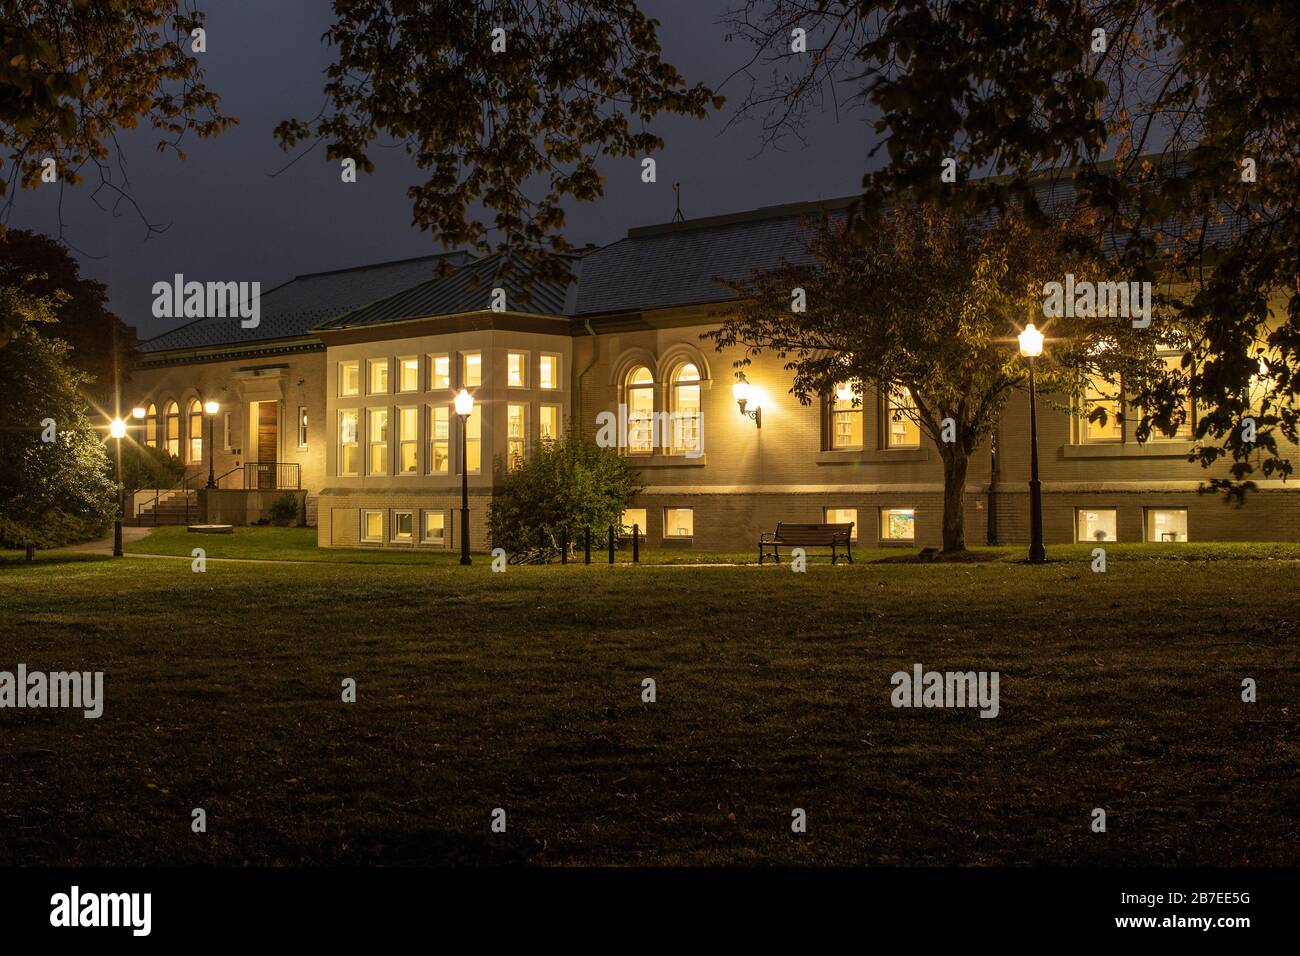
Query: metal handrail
x=286, y=474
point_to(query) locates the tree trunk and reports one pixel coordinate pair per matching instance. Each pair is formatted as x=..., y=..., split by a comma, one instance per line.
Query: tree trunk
x=955, y=461
x=31, y=552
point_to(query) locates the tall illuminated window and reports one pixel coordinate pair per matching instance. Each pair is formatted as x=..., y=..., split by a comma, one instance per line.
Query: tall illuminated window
x=1099, y=393
x=349, y=378
x=194, y=412
x=440, y=371
x=517, y=369
x=172, y=417
x=302, y=427
x=408, y=440
x=408, y=374
x=1174, y=368
x=846, y=416
x=640, y=411
x=474, y=439
x=516, y=433
x=548, y=371
x=901, y=430
x=377, y=437
x=548, y=422
x=378, y=375
x=687, y=418
x=439, y=461
x=151, y=426
x=349, y=442
x=471, y=369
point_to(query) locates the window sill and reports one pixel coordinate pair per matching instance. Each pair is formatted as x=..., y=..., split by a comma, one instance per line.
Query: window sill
x=1152, y=449
x=875, y=456
x=666, y=461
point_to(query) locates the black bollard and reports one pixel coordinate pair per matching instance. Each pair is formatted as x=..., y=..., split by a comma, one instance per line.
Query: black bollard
x=611, y=544
x=586, y=546
x=636, y=544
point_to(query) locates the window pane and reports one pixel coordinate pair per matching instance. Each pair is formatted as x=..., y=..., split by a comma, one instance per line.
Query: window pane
x=846, y=419
x=435, y=527
x=151, y=427
x=516, y=427
x=1099, y=393
x=548, y=422
x=1174, y=367
x=403, y=525
x=548, y=374
x=679, y=522
x=901, y=431
x=687, y=420
x=473, y=439
x=410, y=375
x=440, y=371
x=516, y=363
x=1097, y=524
x=349, y=449
x=471, y=373
x=1166, y=524
x=378, y=376
x=196, y=430
x=302, y=427
x=640, y=418
x=372, y=525
x=378, y=438
x=896, y=524
x=439, y=439
x=408, y=425
x=843, y=516
x=633, y=516
x=349, y=378
x=173, y=429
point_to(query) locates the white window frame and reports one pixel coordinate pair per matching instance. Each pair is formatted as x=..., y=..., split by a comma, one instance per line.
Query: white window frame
x=383, y=518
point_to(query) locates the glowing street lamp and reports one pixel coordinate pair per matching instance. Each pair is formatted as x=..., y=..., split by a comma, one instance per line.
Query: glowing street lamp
x=211, y=408
x=1031, y=346
x=464, y=402
x=742, y=392
x=137, y=413
x=117, y=429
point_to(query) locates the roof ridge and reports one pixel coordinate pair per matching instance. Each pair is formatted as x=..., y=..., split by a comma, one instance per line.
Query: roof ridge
x=389, y=262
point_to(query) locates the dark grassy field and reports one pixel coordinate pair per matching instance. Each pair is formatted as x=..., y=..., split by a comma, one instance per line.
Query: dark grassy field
x=522, y=691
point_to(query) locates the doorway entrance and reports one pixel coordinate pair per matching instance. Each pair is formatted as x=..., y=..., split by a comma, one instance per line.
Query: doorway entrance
x=266, y=426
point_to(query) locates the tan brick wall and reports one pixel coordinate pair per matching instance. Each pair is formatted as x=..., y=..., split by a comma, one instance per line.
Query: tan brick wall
x=339, y=522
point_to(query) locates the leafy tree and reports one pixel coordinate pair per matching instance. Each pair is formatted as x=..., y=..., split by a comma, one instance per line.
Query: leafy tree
x=101, y=344
x=931, y=301
x=561, y=83
x=1152, y=109
x=51, y=492
x=72, y=73
x=569, y=483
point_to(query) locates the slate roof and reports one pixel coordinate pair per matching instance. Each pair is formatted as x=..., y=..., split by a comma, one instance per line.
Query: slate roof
x=468, y=289
x=293, y=308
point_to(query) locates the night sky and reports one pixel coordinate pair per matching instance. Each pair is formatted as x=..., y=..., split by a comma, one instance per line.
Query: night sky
x=228, y=219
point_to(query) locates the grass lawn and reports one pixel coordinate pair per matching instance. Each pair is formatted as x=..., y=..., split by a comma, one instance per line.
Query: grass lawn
x=523, y=691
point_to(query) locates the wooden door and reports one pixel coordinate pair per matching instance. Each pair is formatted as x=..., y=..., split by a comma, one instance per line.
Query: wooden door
x=268, y=444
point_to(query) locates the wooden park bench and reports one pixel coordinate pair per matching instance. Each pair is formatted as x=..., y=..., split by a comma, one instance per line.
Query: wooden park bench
x=807, y=536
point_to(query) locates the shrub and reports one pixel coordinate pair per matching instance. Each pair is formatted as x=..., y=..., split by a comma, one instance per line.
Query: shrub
x=284, y=510
x=570, y=483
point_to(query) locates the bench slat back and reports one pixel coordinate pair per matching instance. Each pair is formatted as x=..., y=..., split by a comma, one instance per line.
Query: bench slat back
x=813, y=533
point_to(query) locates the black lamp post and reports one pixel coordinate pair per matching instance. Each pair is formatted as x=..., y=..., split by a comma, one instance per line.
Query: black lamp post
x=1031, y=346
x=117, y=428
x=464, y=405
x=211, y=408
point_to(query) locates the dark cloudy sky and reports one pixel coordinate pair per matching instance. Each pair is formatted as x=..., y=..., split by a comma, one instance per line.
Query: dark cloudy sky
x=228, y=219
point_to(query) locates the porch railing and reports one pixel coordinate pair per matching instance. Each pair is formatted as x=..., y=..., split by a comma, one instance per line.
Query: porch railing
x=272, y=475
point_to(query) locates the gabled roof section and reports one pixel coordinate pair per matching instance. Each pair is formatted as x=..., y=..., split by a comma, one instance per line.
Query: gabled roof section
x=677, y=264
x=292, y=309
x=469, y=289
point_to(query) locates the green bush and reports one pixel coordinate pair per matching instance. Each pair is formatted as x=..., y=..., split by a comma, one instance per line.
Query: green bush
x=284, y=510
x=567, y=484
x=145, y=467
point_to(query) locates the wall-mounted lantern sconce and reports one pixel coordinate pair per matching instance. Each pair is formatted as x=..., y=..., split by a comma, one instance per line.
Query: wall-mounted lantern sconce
x=742, y=391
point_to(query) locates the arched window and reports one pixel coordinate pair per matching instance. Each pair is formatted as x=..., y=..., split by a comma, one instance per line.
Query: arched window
x=172, y=416
x=195, y=429
x=640, y=411
x=687, y=418
x=151, y=426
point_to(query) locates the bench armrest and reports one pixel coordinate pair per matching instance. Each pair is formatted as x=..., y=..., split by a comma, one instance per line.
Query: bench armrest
x=767, y=537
